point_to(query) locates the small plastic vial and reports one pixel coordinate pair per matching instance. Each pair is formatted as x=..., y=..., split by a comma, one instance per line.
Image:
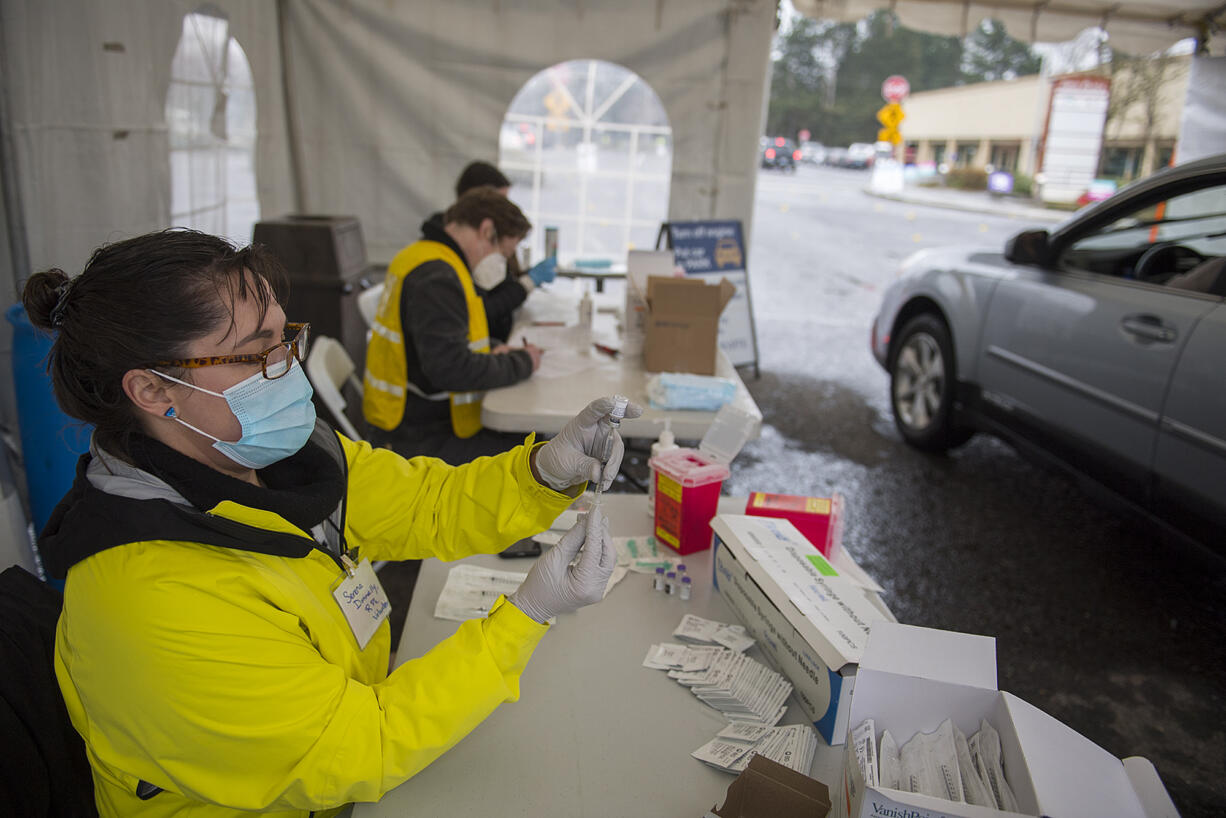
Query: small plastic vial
x=670, y=582
x=686, y=586
x=658, y=584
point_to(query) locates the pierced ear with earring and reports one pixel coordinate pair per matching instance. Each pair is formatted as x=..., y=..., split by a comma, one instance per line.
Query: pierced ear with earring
x=170, y=412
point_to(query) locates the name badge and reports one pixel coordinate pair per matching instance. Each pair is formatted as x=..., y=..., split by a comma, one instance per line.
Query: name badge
x=362, y=600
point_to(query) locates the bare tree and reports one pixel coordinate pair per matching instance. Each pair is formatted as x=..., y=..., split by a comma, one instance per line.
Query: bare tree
x=1136, y=96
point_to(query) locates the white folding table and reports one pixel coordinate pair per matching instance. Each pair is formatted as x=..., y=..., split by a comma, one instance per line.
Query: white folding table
x=594, y=734
x=544, y=404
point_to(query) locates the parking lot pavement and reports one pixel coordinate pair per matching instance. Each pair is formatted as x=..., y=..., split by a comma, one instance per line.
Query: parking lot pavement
x=1098, y=620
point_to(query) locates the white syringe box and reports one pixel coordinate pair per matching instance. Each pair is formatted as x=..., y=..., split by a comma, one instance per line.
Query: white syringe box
x=911, y=679
x=809, y=614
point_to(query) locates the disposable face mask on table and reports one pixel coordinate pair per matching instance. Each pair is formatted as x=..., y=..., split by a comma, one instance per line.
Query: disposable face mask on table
x=681, y=390
x=276, y=415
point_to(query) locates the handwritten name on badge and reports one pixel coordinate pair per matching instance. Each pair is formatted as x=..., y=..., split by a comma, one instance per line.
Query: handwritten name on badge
x=363, y=602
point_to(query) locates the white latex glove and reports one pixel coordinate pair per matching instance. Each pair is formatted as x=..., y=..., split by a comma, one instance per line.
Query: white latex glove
x=554, y=586
x=574, y=455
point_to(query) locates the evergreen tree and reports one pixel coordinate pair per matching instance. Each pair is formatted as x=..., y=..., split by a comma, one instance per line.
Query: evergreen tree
x=991, y=54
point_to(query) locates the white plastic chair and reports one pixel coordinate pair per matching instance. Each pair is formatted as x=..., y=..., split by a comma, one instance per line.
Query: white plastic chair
x=368, y=303
x=330, y=369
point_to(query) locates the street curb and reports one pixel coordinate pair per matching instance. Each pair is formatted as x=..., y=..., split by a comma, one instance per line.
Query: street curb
x=1030, y=214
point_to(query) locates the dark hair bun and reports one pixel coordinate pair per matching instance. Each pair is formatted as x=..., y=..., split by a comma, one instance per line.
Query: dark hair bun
x=42, y=294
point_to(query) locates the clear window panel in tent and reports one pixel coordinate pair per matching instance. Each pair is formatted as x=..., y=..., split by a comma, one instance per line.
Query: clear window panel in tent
x=588, y=148
x=211, y=120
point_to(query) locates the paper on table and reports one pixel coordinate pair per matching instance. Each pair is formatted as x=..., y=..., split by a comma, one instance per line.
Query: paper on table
x=743, y=731
x=619, y=572
x=470, y=591
x=562, y=363
x=792, y=746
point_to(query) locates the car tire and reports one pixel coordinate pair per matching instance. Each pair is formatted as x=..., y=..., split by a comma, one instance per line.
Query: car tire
x=922, y=383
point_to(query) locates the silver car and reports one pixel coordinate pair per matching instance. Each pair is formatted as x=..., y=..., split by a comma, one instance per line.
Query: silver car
x=1101, y=345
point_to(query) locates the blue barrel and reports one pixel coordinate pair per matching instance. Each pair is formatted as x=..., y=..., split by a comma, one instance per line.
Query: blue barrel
x=51, y=442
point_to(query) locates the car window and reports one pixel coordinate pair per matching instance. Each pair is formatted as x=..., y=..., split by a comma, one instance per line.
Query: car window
x=1189, y=228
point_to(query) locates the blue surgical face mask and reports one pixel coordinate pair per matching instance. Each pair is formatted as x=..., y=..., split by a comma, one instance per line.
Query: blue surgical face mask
x=277, y=415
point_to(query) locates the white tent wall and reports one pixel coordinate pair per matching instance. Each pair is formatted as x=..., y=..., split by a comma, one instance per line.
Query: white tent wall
x=389, y=100
x=86, y=86
x=1203, y=130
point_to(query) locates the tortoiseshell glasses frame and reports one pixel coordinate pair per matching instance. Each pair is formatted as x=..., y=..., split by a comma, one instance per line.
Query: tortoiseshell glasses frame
x=296, y=347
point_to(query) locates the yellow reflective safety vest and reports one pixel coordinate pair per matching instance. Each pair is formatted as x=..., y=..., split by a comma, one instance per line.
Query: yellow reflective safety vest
x=386, y=380
x=227, y=679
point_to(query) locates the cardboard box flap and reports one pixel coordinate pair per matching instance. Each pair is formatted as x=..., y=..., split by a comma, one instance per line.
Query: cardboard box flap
x=926, y=653
x=1072, y=775
x=688, y=296
x=767, y=789
x=1148, y=786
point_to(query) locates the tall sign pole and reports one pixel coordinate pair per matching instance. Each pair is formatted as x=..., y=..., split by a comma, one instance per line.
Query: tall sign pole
x=893, y=90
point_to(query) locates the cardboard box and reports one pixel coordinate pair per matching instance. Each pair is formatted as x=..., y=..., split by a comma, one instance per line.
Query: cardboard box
x=810, y=614
x=767, y=789
x=683, y=323
x=820, y=519
x=911, y=679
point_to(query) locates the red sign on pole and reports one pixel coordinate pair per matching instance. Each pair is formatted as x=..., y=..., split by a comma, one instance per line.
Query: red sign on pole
x=895, y=88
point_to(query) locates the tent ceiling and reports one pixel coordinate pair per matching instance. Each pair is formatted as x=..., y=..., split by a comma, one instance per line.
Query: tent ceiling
x=1139, y=28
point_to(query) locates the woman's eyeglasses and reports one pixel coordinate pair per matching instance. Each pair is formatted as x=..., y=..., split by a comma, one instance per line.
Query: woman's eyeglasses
x=295, y=347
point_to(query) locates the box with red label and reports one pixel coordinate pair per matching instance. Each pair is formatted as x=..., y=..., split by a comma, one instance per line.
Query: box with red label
x=820, y=519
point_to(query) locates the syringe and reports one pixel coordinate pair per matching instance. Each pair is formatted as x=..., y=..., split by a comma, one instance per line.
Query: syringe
x=620, y=403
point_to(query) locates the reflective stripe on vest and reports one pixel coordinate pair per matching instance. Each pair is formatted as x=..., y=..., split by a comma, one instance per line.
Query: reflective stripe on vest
x=386, y=378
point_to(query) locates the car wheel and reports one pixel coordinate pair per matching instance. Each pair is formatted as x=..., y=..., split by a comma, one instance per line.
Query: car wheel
x=922, y=380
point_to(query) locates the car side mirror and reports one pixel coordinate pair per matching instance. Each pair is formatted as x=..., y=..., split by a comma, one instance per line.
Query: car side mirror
x=1028, y=247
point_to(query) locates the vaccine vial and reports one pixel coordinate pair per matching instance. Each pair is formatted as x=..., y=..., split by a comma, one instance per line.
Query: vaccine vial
x=670, y=582
x=658, y=584
x=686, y=586
x=680, y=569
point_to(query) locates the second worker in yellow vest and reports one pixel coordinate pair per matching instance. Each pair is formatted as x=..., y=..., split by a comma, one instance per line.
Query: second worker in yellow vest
x=429, y=359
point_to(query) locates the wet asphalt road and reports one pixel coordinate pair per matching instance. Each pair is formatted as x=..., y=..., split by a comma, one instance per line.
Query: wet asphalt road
x=1098, y=620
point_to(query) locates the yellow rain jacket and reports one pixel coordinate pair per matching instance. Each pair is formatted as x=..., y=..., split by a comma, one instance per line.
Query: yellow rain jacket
x=229, y=679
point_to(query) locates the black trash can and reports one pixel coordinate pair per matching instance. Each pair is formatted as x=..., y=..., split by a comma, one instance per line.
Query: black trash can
x=326, y=260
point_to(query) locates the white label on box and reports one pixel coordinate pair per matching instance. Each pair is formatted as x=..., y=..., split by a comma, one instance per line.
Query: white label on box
x=837, y=606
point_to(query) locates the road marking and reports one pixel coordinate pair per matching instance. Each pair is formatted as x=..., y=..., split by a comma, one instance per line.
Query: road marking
x=917, y=237
x=909, y=215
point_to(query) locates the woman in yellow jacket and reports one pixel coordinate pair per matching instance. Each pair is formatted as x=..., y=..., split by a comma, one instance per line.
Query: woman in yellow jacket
x=223, y=647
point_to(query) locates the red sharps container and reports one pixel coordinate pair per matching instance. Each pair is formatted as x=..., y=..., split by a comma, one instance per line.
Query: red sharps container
x=687, y=481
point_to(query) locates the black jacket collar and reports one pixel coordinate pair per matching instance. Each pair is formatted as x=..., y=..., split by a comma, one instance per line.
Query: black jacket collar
x=432, y=230
x=88, y=520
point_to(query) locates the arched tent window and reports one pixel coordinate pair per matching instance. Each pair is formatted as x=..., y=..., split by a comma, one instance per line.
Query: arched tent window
x=210, y=114
x=589, y=150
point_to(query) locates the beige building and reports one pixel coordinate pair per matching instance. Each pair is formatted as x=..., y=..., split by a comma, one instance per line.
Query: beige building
x=1001, y=123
